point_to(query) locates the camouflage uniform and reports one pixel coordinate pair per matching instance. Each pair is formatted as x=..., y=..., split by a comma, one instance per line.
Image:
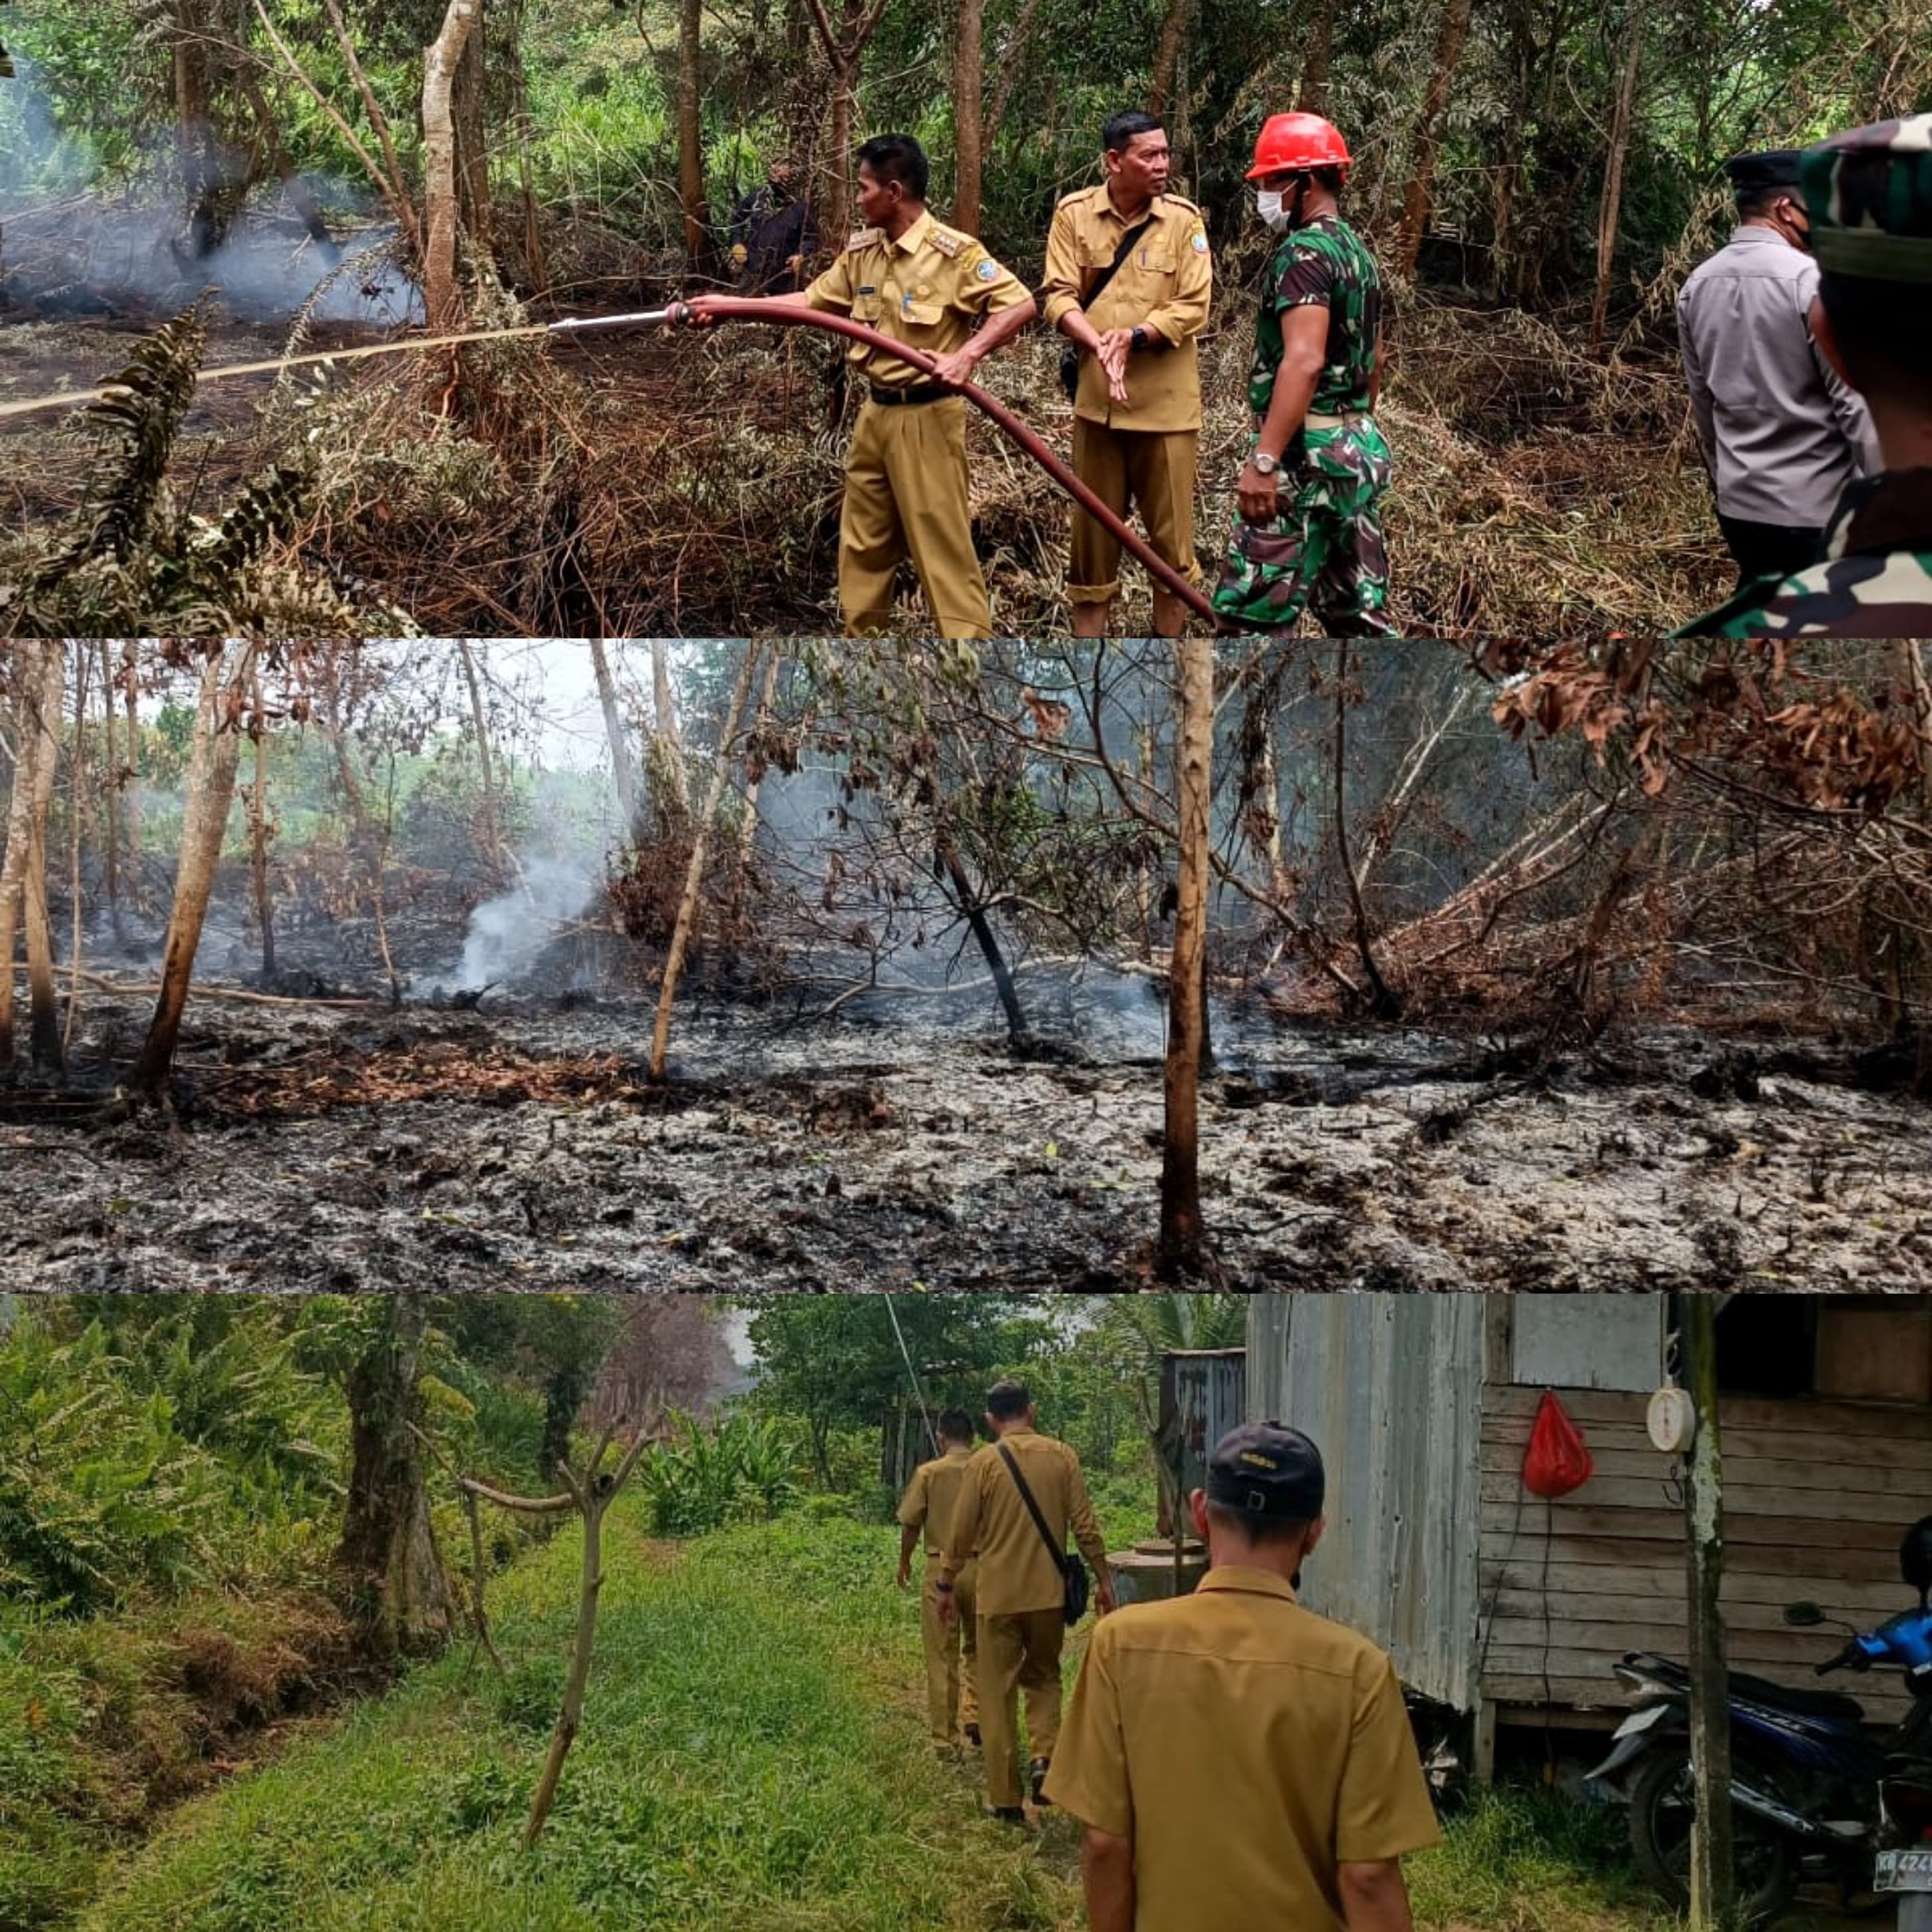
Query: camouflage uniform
x=1869, y=193
x=1324, y=548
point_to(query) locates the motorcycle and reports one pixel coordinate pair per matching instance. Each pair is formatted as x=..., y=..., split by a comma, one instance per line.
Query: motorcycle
x=1807, y=1780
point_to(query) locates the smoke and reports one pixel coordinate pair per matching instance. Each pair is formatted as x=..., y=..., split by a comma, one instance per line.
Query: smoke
x=508, y=935
x=69, y=238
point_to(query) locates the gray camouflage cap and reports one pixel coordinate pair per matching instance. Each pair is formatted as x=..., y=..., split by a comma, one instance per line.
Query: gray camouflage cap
x=1869, y=194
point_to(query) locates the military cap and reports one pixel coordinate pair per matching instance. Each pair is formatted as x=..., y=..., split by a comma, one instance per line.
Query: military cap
x=1775, y=167
x=1266, y=1468
x=1869, y=193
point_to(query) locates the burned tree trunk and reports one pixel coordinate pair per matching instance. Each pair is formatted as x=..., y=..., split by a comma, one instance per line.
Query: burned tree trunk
x=387, y=1556
x=442, y=301
x=217, y=755
x=700, y=856
x=1613, y=177
x=973, y=908
x=1182, y=1248
x=479, y=719
x=261, y=831
x=43, y=1003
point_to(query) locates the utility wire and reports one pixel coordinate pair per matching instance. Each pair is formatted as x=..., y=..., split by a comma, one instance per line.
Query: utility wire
x=919, y=1393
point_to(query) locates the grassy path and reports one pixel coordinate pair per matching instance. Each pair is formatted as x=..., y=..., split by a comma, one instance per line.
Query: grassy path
x=754, y=1757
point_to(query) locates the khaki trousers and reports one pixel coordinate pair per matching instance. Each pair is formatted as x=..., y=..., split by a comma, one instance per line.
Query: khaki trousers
x=951, y=1691
x=905, y=497
x=1018, y=1653
x=1151, y=469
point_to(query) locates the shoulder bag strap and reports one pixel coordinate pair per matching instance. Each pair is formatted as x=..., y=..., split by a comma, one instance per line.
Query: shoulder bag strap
x=1112, y=269
x=1058, y=1555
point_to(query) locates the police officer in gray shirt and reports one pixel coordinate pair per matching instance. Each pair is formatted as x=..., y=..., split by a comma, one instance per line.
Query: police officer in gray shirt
x=1782, y=435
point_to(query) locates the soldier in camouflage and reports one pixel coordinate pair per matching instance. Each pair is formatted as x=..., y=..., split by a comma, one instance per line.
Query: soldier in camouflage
x=1308, y=532
x=1869, y=195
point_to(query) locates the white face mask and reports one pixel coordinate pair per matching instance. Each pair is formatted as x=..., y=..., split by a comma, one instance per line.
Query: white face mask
x=1269, y=205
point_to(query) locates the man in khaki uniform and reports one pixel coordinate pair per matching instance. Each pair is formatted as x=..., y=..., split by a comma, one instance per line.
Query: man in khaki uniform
x=928, y=285
x=951, y=1700
x=1236, y=1760
x=1021, y=1589
x=1137, y=413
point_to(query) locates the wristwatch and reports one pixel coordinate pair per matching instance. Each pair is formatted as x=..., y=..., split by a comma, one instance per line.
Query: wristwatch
x=1137, y=342
x=1265, y=465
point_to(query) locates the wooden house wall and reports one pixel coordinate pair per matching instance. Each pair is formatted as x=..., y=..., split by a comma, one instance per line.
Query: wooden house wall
x=1817, y=1495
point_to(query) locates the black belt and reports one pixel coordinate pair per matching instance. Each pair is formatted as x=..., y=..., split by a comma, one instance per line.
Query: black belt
x=896, y=399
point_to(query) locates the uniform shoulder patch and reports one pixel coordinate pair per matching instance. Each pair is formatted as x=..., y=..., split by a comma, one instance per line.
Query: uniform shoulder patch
x=864, y=238
x=988, y=270
x=1199, y=244
x=949, y=241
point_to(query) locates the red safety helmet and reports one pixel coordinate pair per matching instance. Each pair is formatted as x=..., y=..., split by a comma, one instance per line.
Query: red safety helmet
x=1288, y=143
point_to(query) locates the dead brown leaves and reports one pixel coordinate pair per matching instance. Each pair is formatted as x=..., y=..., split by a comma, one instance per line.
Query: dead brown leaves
x=492, y=1075
x=1748, y=714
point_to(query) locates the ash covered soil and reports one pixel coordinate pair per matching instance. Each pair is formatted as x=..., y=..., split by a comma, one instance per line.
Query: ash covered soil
x=522, y=1147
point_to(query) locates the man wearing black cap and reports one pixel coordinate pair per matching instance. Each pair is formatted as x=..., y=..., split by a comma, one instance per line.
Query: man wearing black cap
x=1781, y=435
x=1238, y=1761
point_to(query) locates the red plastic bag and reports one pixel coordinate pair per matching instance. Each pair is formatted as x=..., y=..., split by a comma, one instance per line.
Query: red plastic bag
x=1557, y=1460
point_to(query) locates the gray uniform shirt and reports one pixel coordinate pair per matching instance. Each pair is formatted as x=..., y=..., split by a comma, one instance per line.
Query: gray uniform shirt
x=1782, y=435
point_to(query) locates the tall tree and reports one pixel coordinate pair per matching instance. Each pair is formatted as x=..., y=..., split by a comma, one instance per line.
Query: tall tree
x=1183, y=1243
x=1450, y=35
x=40, y=689
x=443, y=304
x=968, y=146
x=690, y=135
x=1618, y=159
x=387, y=1557
x=221, y=716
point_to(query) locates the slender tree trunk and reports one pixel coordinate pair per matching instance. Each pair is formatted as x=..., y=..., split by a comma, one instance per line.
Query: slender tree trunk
x=690, y=134
x=1612, y=200
x=442, y=300
x=838, y=158
x=1312, y=97
x=1415, y=199
x=570, y=1714
x=968, y=79
x=670, y=789
x=259, y=829
x=193, y=137
x=130, y=789
x=1712, y=1899
x=701, y=853
x=1183, y=1233
x=1167, y=57
x=479, y=719
x=388, y=1556
x=43, y=1001
x=30, y=736
x=110, y=791
x=987, y=940
x=211, y=793
x=77, y=816
x=747, y=839
x=624, y=767
x=473, y=138
x=534, y=266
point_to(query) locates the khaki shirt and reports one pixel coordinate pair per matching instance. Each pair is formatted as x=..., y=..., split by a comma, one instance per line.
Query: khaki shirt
x=927, y=289
x=1016, y=1573
x=1166, y=283
x=1248, y=1748
x=931, y=1497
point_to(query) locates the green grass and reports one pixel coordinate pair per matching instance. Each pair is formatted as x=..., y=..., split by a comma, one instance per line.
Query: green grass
x=753, y=1756
x=748, y=1758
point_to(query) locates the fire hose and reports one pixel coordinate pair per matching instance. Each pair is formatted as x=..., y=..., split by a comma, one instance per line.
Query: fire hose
x=737, y=308
x=730, y=308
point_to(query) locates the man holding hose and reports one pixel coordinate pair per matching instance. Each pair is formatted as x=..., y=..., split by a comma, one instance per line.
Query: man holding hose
x=932, y=288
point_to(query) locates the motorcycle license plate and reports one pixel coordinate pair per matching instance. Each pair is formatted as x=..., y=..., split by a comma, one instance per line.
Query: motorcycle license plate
x=1904, y=1871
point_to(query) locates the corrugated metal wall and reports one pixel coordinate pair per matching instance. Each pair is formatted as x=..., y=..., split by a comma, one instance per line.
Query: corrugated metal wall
x=1389, y=1386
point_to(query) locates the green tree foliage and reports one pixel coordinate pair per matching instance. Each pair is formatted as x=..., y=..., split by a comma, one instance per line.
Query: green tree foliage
x=834, y=1361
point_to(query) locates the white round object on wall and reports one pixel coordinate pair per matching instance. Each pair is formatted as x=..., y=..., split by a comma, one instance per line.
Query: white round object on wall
x=1672, y=1420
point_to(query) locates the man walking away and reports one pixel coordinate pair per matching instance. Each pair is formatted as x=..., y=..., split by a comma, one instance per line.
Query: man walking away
x=1781, y=435
x=928, y=1508
x=1022, y=1585
x=1129, y=282
x=1236, y=1760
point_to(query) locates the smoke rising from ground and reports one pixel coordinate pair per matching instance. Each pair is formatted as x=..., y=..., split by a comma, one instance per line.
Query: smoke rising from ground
x=508, y=935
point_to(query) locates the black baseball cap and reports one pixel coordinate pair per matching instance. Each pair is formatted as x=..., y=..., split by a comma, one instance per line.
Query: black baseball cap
x=1267, y=1469
x=1775, y=167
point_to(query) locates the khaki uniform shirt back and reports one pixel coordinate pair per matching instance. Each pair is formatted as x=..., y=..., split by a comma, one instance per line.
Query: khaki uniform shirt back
x=931, y=1498
x=927, y=289
x=1166, y=282
x=1017, y=1573
x=1248, y=1748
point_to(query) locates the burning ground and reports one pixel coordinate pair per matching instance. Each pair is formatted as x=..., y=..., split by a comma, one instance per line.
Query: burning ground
x=521, y=1145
